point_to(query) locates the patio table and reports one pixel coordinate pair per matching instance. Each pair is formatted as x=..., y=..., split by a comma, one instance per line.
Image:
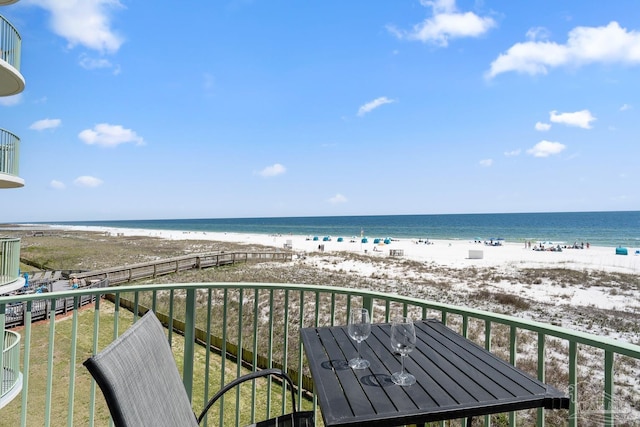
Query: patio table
x=456, y=378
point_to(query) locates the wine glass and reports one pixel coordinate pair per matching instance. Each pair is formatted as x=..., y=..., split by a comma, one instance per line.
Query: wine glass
x=403, y=340
x=359, y=329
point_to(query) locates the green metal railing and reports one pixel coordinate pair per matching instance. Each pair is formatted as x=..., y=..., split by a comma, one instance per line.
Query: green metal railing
x=9, y=153
x=257, y=325
x=9, y=260
x=10, y=43
x=10, y=362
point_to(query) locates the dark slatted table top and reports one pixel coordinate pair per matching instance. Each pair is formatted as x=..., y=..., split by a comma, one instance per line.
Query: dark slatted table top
x=455, y=378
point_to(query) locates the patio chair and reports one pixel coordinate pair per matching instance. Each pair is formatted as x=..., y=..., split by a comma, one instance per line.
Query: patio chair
x=142, y=386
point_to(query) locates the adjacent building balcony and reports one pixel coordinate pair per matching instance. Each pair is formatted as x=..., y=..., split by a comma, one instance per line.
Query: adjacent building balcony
x=219, y=331
x=11, y=384
x=10, y=279
x=9, y=160
x=11, y=81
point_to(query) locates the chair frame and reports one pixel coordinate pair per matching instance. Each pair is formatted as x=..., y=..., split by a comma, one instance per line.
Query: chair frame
x=102, y=379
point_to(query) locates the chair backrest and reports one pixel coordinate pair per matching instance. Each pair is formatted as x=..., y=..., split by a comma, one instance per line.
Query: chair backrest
x=139, y=378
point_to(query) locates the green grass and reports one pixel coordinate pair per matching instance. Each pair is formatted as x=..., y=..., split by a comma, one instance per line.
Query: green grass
x=61, y=372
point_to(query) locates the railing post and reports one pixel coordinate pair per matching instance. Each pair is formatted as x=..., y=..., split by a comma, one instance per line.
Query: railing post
x=189, y=340
x=3, y=309
x=541, y=373
x=608, y=389
x=26, y=317
x=573, y=384
x=513, y=350
x=367, y=302
x=52, y=334
x=72, y=364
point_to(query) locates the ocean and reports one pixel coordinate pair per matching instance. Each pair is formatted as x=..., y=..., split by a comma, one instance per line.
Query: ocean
x=597, y=228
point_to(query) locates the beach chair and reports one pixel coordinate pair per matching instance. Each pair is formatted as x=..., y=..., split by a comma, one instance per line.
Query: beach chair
x=142, y=386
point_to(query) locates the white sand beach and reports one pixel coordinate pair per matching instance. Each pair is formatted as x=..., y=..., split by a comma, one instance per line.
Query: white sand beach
x=449, y=253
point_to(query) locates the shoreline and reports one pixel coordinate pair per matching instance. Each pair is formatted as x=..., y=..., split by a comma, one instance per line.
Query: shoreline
x=457, y=254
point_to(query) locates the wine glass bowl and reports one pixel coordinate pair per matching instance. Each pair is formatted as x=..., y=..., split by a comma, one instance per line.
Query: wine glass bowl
x=403, y=341
x=359, y=328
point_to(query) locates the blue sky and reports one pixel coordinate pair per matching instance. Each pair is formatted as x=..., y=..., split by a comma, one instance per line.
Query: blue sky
x=251, y=108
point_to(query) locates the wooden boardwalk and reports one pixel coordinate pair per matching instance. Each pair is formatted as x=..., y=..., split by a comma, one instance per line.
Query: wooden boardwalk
x=151, y=269
x=51, y=281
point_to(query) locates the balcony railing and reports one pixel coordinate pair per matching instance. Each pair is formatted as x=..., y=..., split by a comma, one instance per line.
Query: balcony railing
x=11, y=81
x=10, y=362
x=9, y=160
x=257, y=325
x=10, y=264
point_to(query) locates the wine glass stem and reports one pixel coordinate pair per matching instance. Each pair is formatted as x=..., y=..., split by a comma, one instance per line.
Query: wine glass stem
x=359, y=349
x=402, y=365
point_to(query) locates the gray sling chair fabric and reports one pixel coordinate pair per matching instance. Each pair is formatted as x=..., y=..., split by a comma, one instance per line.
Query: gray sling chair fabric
x=142, y=386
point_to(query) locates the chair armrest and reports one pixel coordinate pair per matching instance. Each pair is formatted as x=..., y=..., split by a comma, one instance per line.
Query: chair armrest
x=249, y=377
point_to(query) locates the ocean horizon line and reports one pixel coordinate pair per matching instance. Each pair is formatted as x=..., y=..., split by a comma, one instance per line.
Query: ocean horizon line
x=321, y=216
x=607, y=228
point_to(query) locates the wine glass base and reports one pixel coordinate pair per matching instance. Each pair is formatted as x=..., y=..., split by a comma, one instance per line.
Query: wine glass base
x=403, y=378
x=359, y=363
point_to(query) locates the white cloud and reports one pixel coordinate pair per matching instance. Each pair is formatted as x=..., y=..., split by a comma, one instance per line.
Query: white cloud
x=45, y=124
x=372, y=105
x=585, y=45
x=107, y=135
x=84, y=22
x=338, y=198
x=273, y=170
x=512, y=153
x=94, y=63
x=446, y=23
x=546, y=149
x=9, y=101
x=538, y=33
x=542, y=127
x=57, y=185
x=87, y=181
x=625, y=107
x=486, y=163
x=581, y=119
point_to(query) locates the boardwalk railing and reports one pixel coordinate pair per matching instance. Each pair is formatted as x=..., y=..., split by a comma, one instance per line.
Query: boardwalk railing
x=152, y=269
x=16, y=313
x=258, y=324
